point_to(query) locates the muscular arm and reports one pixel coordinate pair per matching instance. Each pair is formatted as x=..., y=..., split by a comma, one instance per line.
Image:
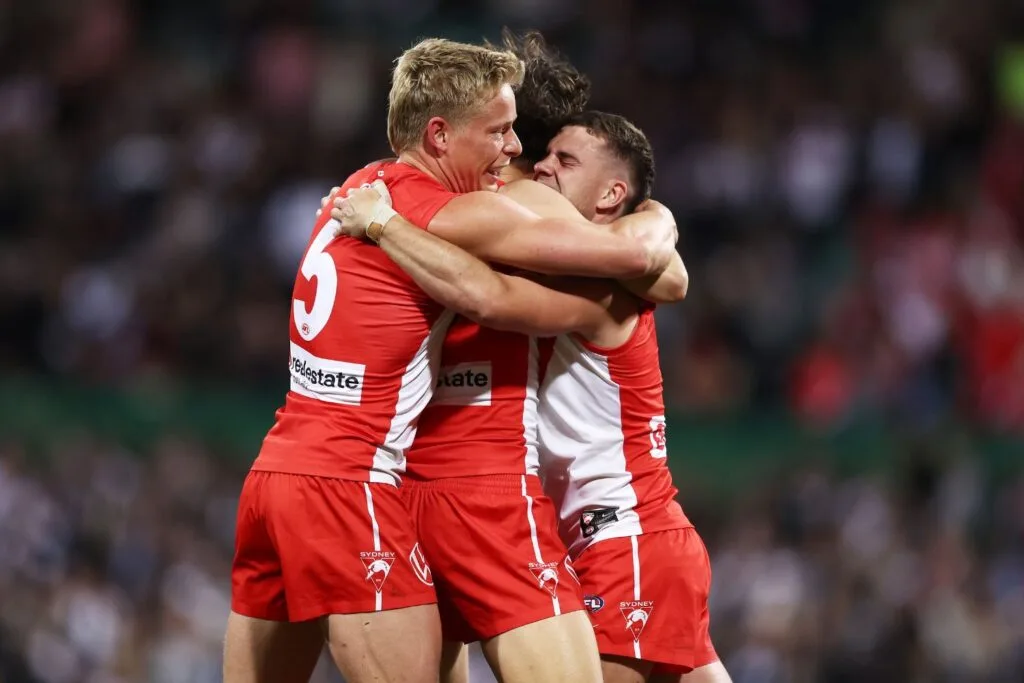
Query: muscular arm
x=498, y=229
x=458, y=280
x=668, y=286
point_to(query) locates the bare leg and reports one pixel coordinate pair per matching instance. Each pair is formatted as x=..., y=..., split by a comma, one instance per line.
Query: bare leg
x=553, y=650
x=394, y=646
x=454, y=662
x=711, y=673
x=625, y=669
x=259, y=651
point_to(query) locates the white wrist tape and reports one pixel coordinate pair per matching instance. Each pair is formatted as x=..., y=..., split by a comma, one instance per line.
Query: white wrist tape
x=382, y=213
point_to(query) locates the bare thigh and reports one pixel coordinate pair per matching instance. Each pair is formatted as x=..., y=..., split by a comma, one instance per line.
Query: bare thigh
x=393, y=646
x=454, y=662
x=711, y=673
x=616, y=669
x=552, y=650
x=260, y=651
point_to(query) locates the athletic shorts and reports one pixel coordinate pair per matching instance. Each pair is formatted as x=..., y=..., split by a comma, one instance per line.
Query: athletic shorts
x=492, y=544
x=647, y=597
x=306, y=547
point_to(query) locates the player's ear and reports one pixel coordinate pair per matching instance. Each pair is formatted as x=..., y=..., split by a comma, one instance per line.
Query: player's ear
x=613, y=197
x=437, y=135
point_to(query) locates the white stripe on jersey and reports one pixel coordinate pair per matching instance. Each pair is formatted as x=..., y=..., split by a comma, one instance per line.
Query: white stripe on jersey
x=418, y=382
x=531, y=434
x=582, y=456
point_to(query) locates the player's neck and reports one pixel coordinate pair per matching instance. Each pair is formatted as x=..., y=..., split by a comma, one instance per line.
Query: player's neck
x=418, y=161
x=514, y=172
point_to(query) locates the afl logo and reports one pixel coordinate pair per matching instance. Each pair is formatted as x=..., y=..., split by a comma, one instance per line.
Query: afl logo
x=594, y=603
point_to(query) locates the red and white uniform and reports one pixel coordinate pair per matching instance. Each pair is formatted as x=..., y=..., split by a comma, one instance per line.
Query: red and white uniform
x=642, y=566
x=482, y=418
x=485, y=526
x=322, y=528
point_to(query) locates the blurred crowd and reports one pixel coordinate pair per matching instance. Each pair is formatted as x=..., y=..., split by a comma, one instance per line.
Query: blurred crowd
x=849, y=178
x=849, y=182
x=114, y=569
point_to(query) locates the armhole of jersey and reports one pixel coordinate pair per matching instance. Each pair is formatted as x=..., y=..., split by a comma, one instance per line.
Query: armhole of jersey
x=640, y=330
x=427, y=194
x=428, y=214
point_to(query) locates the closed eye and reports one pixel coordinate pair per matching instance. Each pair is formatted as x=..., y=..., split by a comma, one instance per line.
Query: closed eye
x=566, y=159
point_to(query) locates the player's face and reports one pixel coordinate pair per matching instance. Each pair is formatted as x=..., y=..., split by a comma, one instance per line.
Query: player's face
x=482, y=146
x=578, y=165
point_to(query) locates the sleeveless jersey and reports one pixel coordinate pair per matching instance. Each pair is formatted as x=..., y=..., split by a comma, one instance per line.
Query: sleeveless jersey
x=365, y=346
x=483, y=417
x=602, y=439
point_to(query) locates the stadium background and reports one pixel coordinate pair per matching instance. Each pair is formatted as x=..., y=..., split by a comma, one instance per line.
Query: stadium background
x=845, y=379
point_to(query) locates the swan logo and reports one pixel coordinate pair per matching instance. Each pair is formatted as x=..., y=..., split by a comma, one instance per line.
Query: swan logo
x=636, y=613
x=378, y=567
x=546, y=575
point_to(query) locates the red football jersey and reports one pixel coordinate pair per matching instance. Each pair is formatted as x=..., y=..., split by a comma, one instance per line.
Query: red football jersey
x=483, y=417
x=365, y=343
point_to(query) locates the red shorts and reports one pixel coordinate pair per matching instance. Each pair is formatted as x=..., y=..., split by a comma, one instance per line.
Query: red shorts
x=648, y=598
x=306, y=547
x=492, y=543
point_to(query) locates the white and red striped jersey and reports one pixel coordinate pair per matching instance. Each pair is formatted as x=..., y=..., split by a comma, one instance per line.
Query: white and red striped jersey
x=365, y=347
x=602, y=439
x=483, y=417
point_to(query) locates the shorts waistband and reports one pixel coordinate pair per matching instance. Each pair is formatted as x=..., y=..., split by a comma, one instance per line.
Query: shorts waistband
x=493, y=483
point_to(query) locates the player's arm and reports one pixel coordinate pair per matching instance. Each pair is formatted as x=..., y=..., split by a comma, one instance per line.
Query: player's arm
x=497, y=229
x=666, y=287
x=463, y=283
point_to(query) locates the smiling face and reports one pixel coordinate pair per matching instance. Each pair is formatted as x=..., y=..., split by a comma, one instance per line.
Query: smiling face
x=581, y=167
x=474, y=151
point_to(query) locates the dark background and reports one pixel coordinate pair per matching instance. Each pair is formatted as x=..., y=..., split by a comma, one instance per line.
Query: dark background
x=846, y=375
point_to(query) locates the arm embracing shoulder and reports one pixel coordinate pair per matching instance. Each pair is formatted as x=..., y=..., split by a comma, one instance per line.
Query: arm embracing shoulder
x=460, y=281
x=498, y=229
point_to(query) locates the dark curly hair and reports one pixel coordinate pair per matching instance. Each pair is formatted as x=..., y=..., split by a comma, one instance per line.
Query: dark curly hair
x=553, y=91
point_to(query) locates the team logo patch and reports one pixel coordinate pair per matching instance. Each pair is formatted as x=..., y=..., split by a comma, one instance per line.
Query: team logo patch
x=594, y=603
x=420, y=566
x=636, y=613
x=659, y=442
x=378, y=566
x=592, y=520
x=547, y=576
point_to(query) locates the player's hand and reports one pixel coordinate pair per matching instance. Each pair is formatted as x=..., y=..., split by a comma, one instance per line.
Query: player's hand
x=325, y=199
x=360, y=207
x=656, y=206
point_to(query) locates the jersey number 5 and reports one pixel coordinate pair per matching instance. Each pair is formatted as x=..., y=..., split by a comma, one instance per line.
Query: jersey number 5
x=319, y=264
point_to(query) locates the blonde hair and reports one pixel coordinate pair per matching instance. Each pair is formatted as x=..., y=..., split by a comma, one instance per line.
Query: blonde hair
x=438, y=77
